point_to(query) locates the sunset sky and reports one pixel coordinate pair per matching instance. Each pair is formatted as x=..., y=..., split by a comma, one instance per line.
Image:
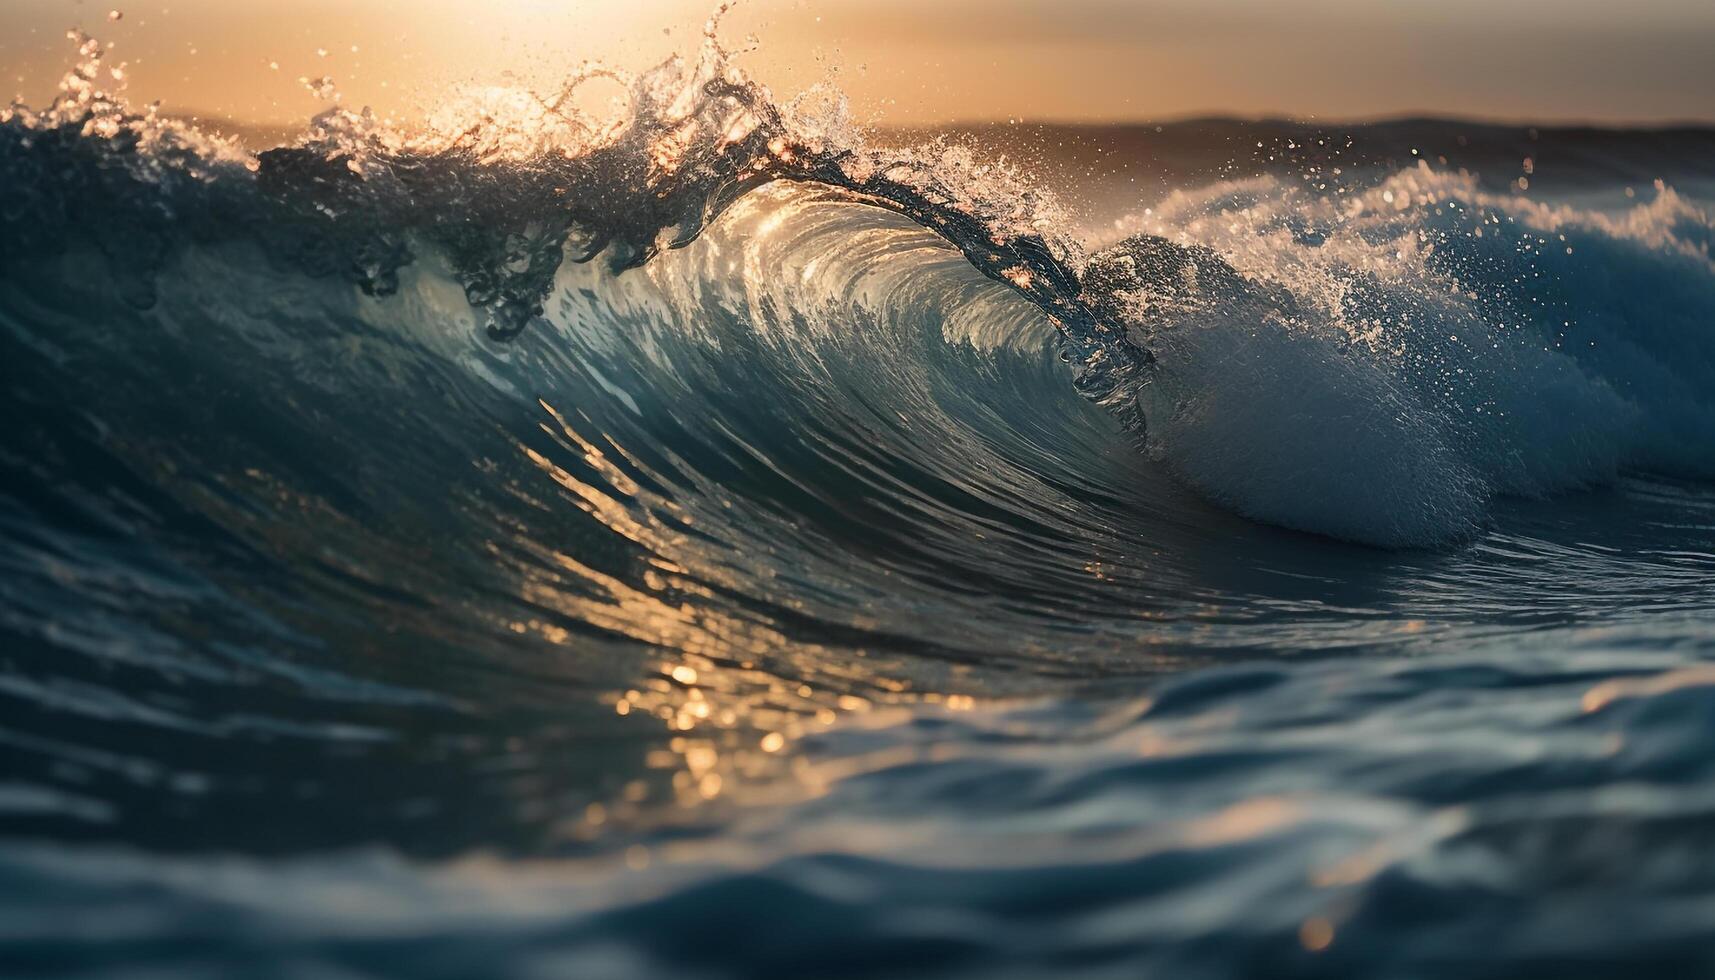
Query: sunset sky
x=924, y=61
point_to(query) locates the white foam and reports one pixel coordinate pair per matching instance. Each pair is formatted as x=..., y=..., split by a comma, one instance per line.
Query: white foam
x=1385, y=363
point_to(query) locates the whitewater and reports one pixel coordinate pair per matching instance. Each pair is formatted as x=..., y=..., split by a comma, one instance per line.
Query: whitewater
x=707, y=540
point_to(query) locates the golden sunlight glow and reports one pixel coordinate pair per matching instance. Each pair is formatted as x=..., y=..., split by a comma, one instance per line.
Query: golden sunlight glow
x=731, y=719
x=1609, y=692
x=913, y=63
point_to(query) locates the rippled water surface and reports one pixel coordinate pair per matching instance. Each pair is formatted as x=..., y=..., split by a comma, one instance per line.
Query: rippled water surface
x=720, y=549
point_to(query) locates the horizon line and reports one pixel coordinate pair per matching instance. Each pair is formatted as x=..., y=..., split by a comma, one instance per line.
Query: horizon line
x=1214, y=116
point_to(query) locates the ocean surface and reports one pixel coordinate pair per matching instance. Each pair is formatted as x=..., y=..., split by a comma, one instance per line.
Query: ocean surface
x=713, y=542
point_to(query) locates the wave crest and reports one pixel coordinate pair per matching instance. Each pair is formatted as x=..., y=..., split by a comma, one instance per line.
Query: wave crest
x=1375, y=360
x=1380, y=363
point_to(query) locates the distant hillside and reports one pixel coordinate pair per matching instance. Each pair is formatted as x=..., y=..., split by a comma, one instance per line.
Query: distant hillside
x=1149, y=159
x=1093, y=166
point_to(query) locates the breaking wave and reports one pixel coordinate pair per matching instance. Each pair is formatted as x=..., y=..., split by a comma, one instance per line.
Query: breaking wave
x=529, y=486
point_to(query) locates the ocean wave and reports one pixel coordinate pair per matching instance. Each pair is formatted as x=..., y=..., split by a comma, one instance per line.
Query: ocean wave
x=529, y=544
x=1381, y=363
x=1375, y=360
x=1227, y=825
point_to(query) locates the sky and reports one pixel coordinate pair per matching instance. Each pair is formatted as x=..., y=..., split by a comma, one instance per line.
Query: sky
x=921, y=62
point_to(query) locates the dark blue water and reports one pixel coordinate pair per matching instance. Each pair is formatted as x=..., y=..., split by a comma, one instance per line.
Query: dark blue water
x=1313, y=577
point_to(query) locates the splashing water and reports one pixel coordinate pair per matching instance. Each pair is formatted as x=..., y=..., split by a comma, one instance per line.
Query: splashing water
x=539, y=542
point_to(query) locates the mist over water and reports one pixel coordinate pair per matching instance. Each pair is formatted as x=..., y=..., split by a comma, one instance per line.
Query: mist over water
x=698, y=541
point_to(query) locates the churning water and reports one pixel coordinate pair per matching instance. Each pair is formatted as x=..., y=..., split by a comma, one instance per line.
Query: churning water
x=696, y=543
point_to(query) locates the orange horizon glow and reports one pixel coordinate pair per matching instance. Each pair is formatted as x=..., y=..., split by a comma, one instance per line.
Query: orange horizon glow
x=916, y=64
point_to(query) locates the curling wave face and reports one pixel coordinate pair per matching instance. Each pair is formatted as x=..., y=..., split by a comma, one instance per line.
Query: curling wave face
x=800, y=526
x=1429, y=345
